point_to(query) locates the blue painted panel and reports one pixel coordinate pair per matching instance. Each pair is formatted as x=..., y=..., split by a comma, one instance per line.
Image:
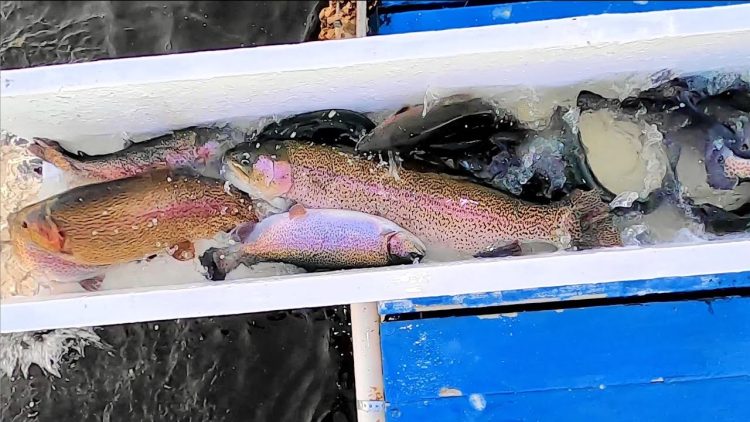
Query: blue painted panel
x=716, y=400
x=567, y=351
x=432, y=20
x=579, y=291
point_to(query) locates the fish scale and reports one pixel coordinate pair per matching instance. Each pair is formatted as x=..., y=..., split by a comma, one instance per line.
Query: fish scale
x=316, y=239
x=183, y=148
x=355, y=241
x=440, y=210
x=129, y=219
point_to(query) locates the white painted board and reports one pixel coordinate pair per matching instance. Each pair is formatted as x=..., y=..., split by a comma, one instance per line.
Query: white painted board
x=89, y=105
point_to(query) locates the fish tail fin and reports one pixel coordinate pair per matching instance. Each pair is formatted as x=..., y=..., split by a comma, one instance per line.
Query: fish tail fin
x=218, y=262
x=597, y=228
x=51, y=152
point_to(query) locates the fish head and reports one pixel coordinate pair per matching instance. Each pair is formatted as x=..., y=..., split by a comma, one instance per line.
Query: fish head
x=404, y=248
x=34, y=225
x=262, y=170
x=717, y=155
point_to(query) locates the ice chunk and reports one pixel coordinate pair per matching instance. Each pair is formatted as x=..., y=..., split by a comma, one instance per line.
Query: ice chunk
x=655, y=156
x=635, y=235
x=571, y=119
x=624, y=200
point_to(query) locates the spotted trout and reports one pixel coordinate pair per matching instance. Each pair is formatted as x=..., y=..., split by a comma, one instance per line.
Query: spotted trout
x=440, y=210
x=78, y=234
x=316, y=239
x=194, y=147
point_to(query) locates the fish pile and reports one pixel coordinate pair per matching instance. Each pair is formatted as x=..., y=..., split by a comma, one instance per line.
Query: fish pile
x=341, y=191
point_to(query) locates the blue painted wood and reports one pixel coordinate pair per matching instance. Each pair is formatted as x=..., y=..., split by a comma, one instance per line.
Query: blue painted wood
x=572, y=292
x=567, y=355
x=462, y=17
x=715, y=400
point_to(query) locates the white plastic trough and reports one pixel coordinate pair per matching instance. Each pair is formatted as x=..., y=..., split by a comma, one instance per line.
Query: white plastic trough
x=84, y=104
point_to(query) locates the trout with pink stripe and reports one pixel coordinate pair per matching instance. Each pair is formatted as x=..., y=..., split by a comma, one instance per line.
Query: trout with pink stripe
x=438, y=209
x=316, y=239
x=76, y=235
x=194, y=147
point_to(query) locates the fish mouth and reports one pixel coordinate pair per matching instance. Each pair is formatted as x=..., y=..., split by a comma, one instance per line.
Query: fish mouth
x=231, y=167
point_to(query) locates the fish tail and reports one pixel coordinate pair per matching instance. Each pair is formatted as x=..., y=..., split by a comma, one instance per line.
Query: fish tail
x=218, y=262
x=597, y=228
x=51, y=152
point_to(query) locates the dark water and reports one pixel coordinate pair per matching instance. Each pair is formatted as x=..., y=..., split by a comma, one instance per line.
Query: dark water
x=45, y=32
x=280, y=366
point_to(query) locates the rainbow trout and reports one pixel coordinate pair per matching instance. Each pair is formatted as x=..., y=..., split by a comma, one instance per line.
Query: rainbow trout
x=194, y=147
x=78, y=234
x=316, y=239
x=440, y=210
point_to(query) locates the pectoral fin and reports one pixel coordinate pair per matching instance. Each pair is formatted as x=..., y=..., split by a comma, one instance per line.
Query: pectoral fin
x=92, y=284
x=183, y=251
x=501, y=249
x=296, y=211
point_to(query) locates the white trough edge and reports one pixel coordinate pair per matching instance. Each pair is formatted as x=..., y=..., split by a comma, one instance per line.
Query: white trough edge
x=550, y=34
x=344, y=287
x=148, y=96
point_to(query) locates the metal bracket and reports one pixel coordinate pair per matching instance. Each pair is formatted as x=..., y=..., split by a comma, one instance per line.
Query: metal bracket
x=371, y=405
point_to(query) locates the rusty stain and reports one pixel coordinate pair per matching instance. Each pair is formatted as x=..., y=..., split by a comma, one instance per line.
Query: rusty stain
x=450, y=392
x=376, y=393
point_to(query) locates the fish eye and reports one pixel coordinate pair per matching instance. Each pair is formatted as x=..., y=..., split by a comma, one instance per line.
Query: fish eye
x=721, y=159
x=744, y=147
x=24, y=225
x=245, y=162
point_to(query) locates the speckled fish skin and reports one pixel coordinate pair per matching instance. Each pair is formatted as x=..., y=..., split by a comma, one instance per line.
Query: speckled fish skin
x=724, y=170
x=126, y=220
x=438, y=209
x=738, y=167
x=54, y=266
x=319, y=239
x=193, y=147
